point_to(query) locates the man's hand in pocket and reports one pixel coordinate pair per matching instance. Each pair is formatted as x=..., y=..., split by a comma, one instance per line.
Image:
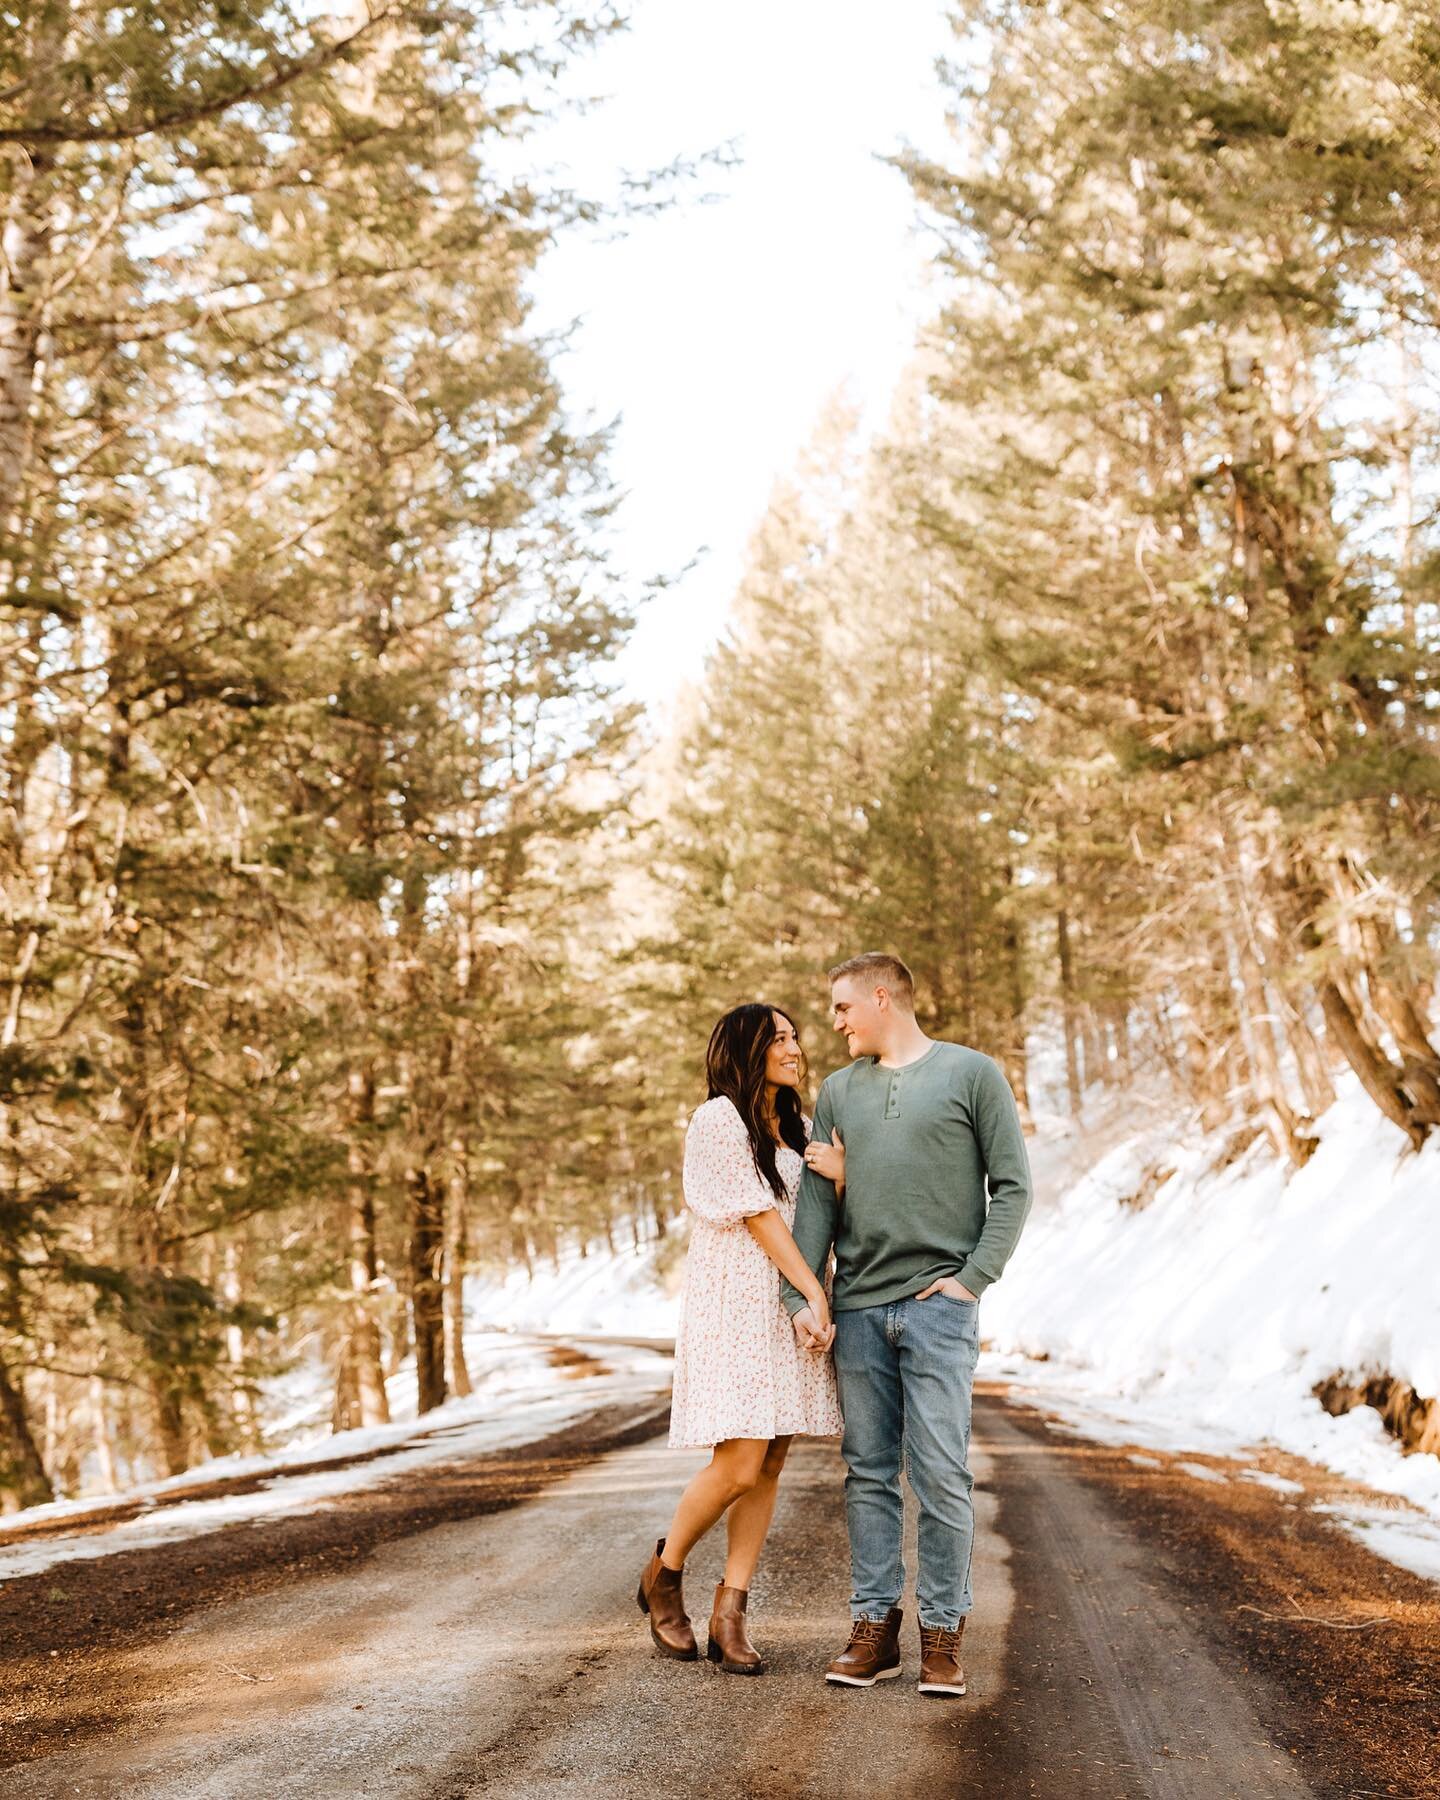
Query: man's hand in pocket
x=947, y=1284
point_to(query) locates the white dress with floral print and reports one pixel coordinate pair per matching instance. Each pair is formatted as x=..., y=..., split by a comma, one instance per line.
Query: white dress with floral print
x=738, y=1371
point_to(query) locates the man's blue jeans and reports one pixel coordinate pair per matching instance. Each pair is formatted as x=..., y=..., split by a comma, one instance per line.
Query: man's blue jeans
x=905, y=1371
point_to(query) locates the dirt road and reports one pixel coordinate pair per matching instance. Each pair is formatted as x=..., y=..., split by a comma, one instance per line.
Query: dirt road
x=501, y=1654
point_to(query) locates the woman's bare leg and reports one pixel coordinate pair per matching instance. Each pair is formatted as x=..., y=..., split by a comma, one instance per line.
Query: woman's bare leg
x=750, y=1516
x=733, y=1469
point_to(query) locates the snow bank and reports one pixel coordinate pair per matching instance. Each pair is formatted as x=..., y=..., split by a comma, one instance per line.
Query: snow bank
x=619, y=1293
x=1203, y=1319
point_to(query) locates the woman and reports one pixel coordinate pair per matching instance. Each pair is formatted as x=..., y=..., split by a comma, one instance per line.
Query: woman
x=743, y=1387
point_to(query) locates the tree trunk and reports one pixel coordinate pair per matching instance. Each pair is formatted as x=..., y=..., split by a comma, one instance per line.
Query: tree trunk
x=1258, y=1031
x=1259, y=1010
x=394, y=1353
x=100, y=1436
x=1119, y=1014
x=1378, y=1076
x=241, y=1397
x=1205, y=1058
x=1109, y=1045
x=1096, y=1067
x=345, y=1412
x=1015, y=1060
x=362, y=1349
x=170, y=1425
x=427, y=1296
x=1419, y=1063
x=1265, y=884
x=457, y=1243
x=1315, y=1082
x=1166, y=1043
x=1069, y=1022
x=1344, y=1018
x=23, y=1481
x=24, y=242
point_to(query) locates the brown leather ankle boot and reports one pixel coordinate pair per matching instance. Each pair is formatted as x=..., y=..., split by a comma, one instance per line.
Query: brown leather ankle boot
x=873, y=1653
x=940, y=1668
x=729, y=1643
x=661, y=1597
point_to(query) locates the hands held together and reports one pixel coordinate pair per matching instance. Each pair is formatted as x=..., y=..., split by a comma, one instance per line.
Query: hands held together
x=814, y=1328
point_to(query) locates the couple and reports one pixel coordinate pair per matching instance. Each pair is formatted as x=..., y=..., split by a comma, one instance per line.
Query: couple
x=893, y=1176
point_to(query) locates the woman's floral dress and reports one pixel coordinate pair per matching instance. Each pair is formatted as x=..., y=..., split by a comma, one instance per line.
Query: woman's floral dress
x=738, y=1371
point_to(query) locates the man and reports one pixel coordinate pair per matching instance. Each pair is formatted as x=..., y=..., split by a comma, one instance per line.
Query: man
x=927, y=1127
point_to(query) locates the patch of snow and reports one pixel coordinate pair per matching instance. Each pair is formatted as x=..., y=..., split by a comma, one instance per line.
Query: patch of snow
x=1405, y=1538
x=1201, y=1471
x=1281, y=1484
x=1145, y=1462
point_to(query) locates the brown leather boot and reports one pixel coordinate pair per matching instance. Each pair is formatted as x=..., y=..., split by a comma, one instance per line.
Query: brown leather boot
x=660, y=1596
x=873, y=1653
x=940, y=1670
x=729, y=1642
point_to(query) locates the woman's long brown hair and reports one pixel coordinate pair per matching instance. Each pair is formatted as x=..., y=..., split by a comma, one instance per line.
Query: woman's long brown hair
x=735, y=1068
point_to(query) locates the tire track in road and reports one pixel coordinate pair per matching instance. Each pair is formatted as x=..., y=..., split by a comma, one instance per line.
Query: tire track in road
x=1111, y=1690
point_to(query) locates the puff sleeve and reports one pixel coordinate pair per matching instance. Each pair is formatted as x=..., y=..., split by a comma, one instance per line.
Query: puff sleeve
x=721, y=1183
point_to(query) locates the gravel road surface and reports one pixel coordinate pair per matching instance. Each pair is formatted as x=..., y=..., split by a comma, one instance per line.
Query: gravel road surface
x=502, y=1655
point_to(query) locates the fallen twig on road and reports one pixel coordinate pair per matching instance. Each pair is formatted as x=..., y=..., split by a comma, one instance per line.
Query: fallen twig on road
x=1299, y=1618
x=226, y=1669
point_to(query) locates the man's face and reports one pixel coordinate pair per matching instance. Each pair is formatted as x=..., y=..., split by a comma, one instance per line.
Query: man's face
x=859, y=1015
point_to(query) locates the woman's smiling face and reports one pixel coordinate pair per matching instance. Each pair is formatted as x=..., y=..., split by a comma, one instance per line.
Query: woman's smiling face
x=783, y=1062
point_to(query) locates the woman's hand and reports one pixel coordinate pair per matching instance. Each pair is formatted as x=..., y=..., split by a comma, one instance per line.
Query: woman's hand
x=819, y=1304
x=807, y=1333
x=827, y=1159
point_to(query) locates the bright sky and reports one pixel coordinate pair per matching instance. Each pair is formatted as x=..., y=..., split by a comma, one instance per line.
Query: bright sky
x=718, y=331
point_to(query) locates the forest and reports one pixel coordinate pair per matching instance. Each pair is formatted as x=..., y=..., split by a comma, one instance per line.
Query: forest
x=354, y=928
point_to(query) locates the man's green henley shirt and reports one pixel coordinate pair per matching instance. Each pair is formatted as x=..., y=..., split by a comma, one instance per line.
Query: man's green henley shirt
x=922, y=1142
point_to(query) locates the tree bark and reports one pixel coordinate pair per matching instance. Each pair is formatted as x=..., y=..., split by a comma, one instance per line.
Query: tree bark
x=100, y=1432
x=23, y=1481
x=345, y=1410
x=24, y=242
x=1119, y=1014
x=1315, y=1082
x=457, y=1239
x=1419, y=1066
x=1378, y=1076
x=362, y=1349
x=1069, y=1022
x=242, y=1399
x=427, y=1297
x=1391, y=997
x=170, y=1425
x=1260, y=1009
x=1258, y=1031
x=1015, y=1058
x=1096, y=1067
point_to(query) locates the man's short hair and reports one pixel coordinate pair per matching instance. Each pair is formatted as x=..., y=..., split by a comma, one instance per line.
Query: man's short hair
x=875, y=969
